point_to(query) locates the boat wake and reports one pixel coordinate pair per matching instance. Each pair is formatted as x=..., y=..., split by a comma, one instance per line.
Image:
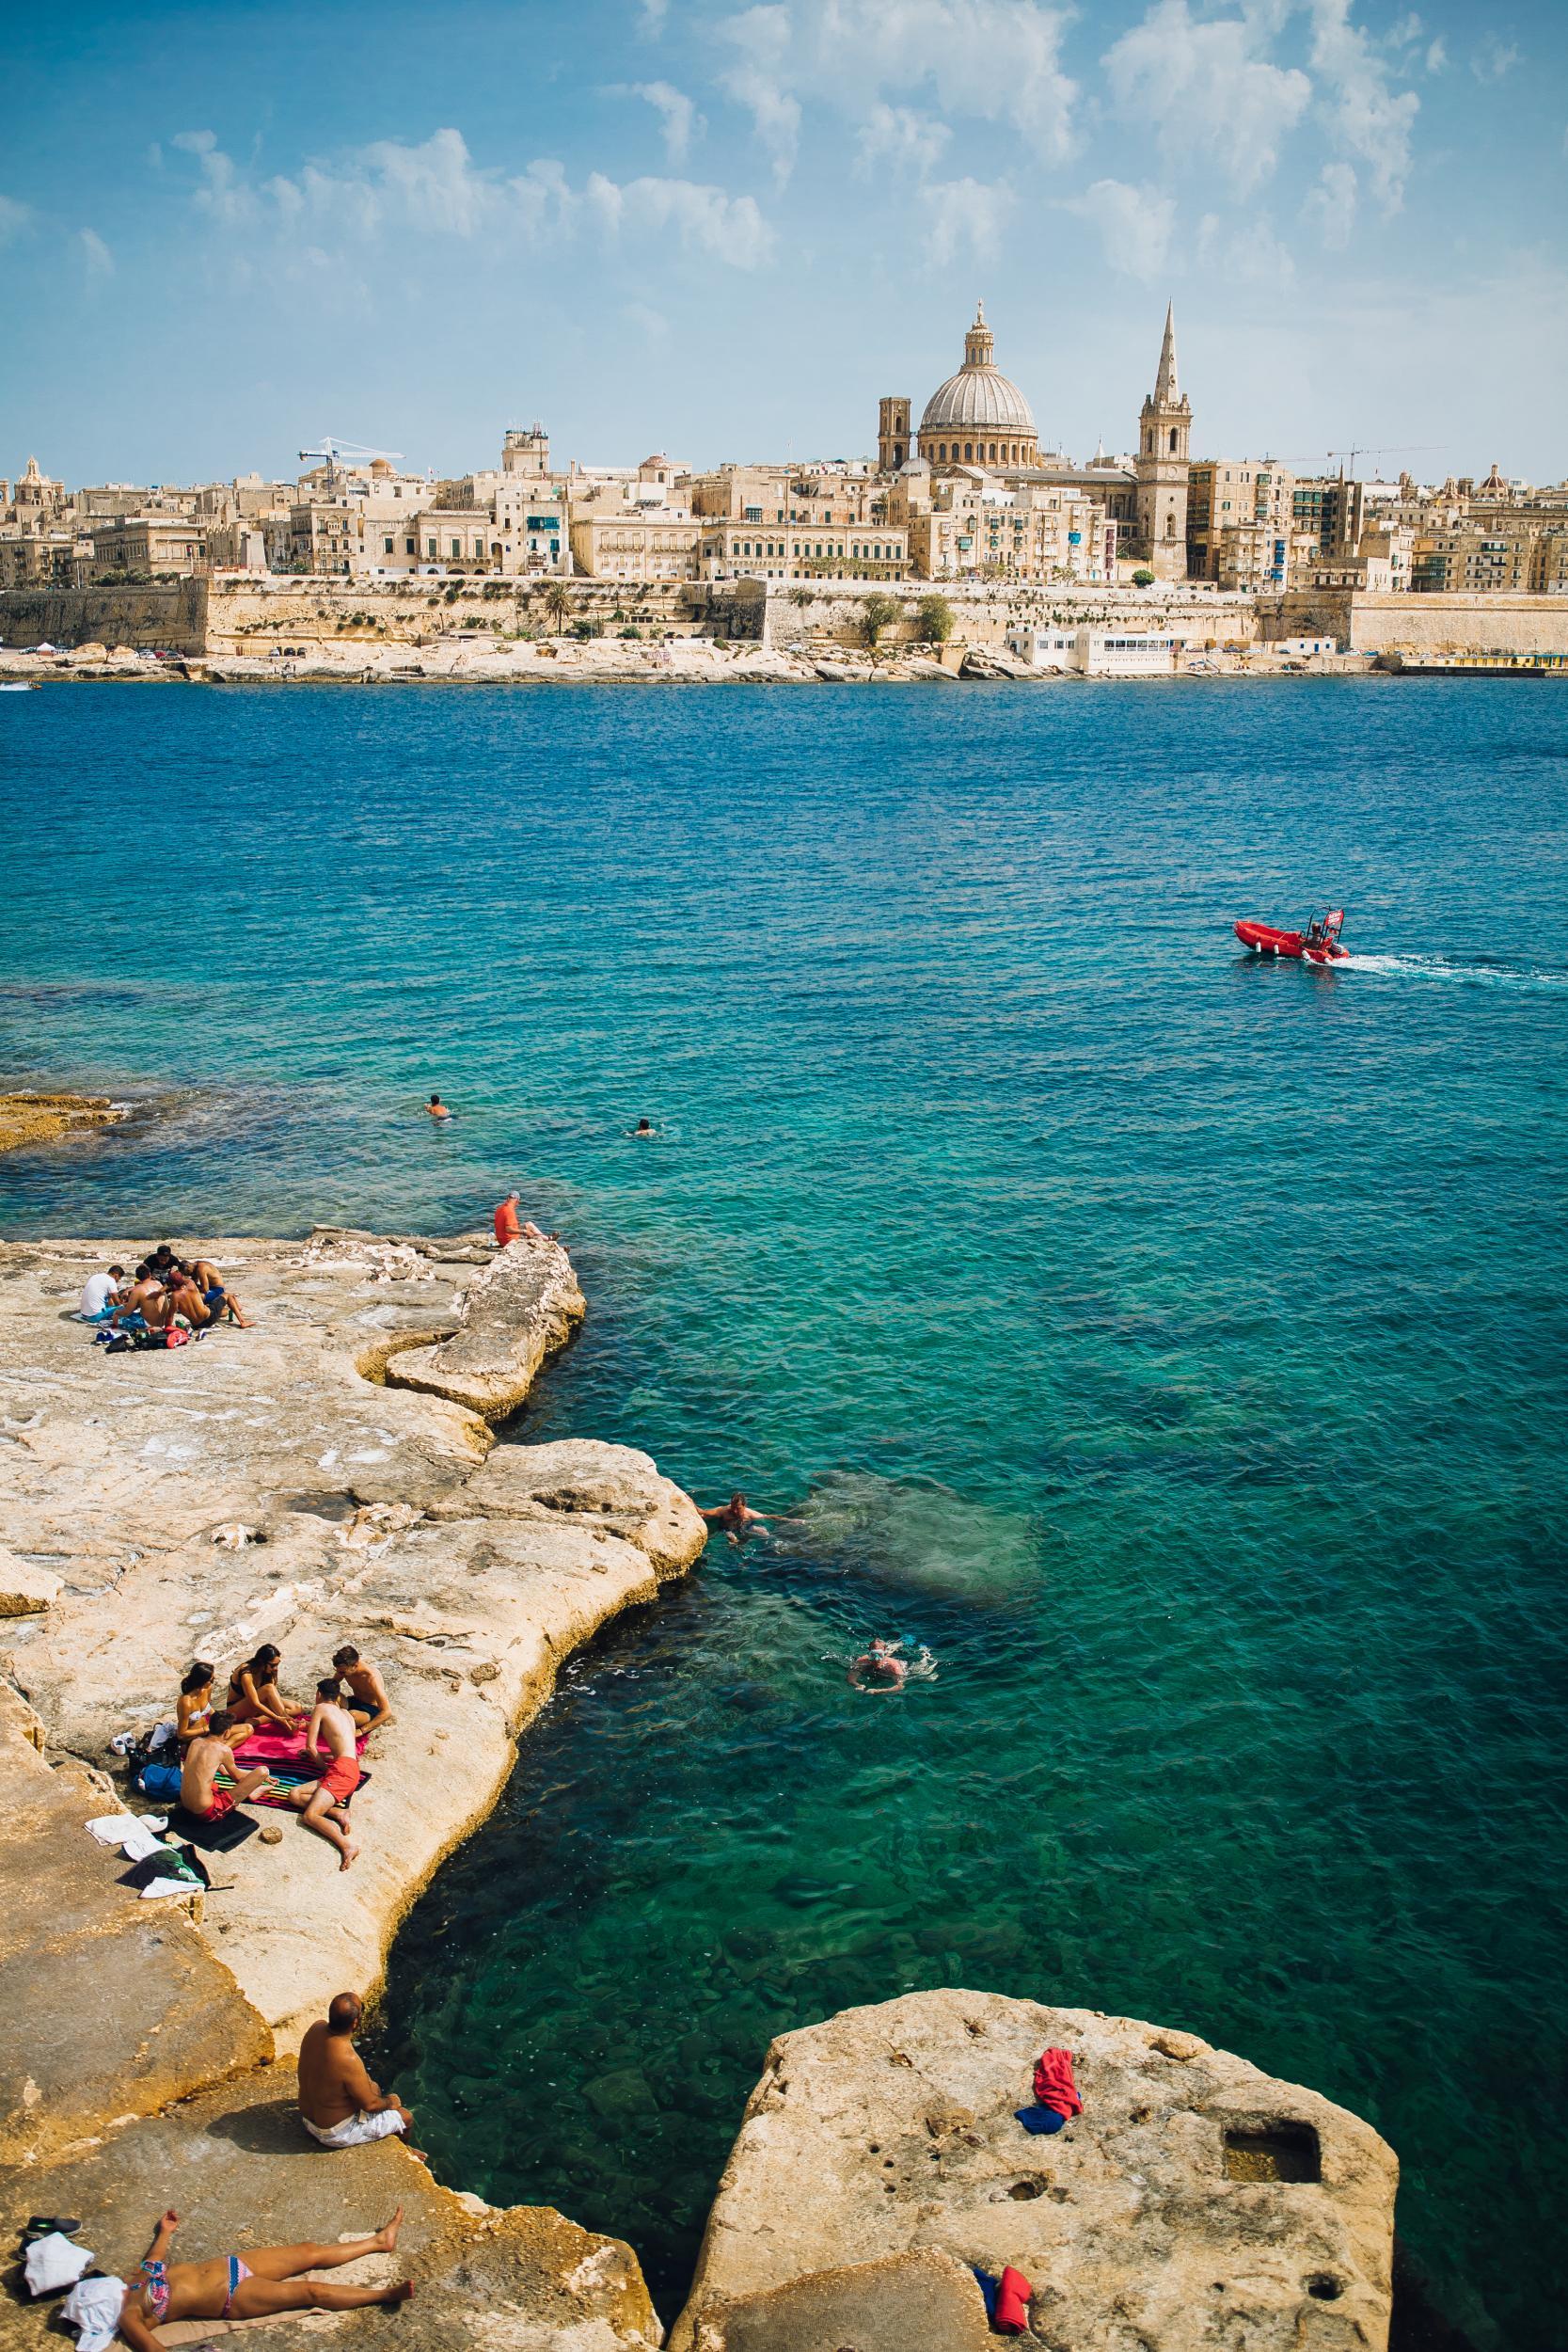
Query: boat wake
x=1476, y=973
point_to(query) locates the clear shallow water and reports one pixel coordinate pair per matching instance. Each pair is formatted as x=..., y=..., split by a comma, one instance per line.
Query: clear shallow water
x=1175, y=1345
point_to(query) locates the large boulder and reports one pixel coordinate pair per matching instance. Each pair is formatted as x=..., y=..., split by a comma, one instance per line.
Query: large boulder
x=513, y=1313
x=1195, y=2202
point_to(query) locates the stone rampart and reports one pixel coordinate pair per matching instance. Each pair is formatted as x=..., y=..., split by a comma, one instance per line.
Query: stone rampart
x=831, y=613
x=170, y=614
x=1418, y=624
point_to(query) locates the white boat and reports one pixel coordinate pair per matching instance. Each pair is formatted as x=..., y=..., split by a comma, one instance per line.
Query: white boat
x=18, y=686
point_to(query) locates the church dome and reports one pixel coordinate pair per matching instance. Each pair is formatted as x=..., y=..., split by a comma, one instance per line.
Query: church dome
x=979, y=399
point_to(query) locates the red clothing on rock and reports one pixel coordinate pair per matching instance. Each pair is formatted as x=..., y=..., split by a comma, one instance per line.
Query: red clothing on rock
x=1053, y=2085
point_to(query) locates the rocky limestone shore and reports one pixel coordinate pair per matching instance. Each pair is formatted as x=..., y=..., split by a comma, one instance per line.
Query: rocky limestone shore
x=272, y=1483
x=1195, y=2204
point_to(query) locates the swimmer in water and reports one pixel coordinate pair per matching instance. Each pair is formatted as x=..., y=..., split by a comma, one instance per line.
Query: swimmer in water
x=878, y=1668
x=736, y=1518
x=644, y=1127
x=436, y=1109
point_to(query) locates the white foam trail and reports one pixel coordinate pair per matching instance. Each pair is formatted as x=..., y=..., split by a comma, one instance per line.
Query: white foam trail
x=1440, y=968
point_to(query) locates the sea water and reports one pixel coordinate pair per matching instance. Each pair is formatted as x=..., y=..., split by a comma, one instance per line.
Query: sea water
x=1170, y=1347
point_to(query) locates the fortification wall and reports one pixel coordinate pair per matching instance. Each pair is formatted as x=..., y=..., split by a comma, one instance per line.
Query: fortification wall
x=1417, y=623
x=172, y=616
x=252, y=614
x=806, y=615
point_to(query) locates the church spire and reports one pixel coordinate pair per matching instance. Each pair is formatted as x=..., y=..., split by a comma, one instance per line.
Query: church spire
x=1166, y=391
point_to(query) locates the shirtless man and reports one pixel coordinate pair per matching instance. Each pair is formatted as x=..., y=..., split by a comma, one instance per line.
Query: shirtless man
x=219, y=1298
x=436, y=1109
x=736, y=1518
x=145, y=1284
x=207, y=1756
x=878, y=1668
x=370, y=1707
x=339, y=2103
x=323, y=1808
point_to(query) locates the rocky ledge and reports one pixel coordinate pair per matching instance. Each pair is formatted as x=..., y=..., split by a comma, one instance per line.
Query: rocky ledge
x=41, y=1118
x=1195, y=2202
x=274, y=1484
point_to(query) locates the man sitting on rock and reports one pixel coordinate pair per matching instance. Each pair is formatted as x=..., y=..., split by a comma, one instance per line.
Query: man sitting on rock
x=509, y=1227
x=324, y=1807
x=339, y=2103
x=205, y=1757
x=369, y=1705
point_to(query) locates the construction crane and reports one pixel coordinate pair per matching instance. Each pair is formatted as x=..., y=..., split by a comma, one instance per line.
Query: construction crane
x=336, y=454
x=1390, y=449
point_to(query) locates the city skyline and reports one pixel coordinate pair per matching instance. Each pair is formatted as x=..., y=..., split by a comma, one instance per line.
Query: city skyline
x=728, y=232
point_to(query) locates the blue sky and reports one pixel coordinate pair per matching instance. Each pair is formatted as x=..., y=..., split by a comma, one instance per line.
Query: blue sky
x=723, y=230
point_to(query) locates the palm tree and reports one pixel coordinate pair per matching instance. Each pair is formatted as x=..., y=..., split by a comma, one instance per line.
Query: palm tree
x=558, y=601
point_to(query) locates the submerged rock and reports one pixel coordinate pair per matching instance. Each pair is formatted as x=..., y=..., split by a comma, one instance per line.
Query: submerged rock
x=1195, y=2202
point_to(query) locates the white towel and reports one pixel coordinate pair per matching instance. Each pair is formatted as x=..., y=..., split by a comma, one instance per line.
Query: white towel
x=136, y=1838
x=94, y=2306
x=169, y=1886
x=55, y=2262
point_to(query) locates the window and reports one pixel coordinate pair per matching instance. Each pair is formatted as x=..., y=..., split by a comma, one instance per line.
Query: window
x=387, y=547
x=430, y=548
x=969, y=452
x=408, y=548
x=457, y=546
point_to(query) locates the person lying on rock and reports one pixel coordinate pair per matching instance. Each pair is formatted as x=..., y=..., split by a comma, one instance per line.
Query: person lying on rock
x=339, y=2103
x=254, y=1696
x=207, y=1756
x=266, y=2281
x=368, y=1703
x=325, y=1807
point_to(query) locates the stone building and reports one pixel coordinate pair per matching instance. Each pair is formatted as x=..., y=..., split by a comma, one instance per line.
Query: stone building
x=159, y=546
x=1242, y=530
x=1164, y=435
x=977, y=418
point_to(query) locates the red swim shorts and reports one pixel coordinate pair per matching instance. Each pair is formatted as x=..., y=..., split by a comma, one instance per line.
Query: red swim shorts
x=341, y=1778
x=223, y=1802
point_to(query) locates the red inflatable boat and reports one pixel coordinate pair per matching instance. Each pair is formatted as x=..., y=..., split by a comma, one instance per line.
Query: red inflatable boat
x=1317, y=943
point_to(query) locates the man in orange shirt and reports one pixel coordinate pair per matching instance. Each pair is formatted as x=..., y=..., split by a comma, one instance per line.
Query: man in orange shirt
x=508, y=1226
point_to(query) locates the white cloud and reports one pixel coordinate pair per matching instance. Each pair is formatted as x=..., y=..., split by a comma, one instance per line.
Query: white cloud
x=1332, y=203
x=99, y=261
x=1493, y=59
x=678, y=116
x=654, y=15
x=726, y=228
x=1250, y=255
x=649, y=322
x=1371, y=120
x=758, y=81
x=902, y=138
x=993, y=61
x=967, y=218
x=1437, y=56
x=1208, y=89
x=14, y=218
x=1135, y=225
x=436, y=188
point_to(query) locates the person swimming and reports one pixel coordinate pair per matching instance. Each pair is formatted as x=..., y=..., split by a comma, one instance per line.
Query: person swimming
x=736, y=1518
x=436, y=1108
x=644, y=1128
x=879, y=1668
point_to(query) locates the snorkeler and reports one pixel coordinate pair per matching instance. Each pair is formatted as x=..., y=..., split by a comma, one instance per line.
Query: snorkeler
x=878, y=1668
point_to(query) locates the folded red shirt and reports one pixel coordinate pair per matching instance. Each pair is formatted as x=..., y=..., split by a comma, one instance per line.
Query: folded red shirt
x=1053, y=2083
x=1011, y=2316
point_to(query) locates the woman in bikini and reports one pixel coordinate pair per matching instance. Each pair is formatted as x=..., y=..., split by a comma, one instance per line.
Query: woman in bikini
x=194, y=1703
x=253, y=1693
x=267, y=2281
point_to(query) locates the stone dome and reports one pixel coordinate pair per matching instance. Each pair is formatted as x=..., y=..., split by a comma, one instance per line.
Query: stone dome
x=979, y=399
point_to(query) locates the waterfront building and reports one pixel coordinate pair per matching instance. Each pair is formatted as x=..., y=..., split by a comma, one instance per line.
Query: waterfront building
x=1242, y=528
x=635, y=544
x=156, y=547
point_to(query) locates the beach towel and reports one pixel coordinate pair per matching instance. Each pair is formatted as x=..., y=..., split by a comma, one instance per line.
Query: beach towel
x=1053, y=2083
x=1011, y=2315
x=287, y=1747
x=1038, y=2120
x=136, y=1838
x=214, y=1837
x=987, y=2286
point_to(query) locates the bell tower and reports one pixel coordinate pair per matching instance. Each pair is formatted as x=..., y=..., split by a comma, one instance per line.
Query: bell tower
x=1165, y=436
x=892, y=433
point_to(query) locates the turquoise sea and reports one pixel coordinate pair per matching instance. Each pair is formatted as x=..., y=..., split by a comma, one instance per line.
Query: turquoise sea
x=1170, y=1347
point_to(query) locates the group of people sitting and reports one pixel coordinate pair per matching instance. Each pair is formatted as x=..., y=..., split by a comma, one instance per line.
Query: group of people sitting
x=320, y=1743
x=167, y=1293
